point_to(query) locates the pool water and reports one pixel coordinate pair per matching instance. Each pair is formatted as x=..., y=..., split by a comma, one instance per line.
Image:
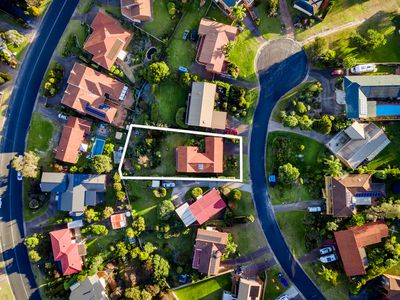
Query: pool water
x=98, y=147
x=388, y=110
x=150, y=52
x=230, y=3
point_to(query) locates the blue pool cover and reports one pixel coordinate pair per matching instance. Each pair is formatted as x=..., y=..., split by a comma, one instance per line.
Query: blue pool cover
x=387, y=110
x=230, y=3
x=98, y=147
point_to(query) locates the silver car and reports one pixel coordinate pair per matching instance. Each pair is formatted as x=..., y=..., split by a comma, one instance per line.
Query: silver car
x=328, y=258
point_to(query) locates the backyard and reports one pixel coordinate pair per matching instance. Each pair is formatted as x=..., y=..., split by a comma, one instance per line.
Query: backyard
x=270, y=27
x=162, y=24
x=274, y=287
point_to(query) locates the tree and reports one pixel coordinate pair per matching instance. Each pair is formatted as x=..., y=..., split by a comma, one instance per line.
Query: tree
x=160, y=268
x=101, y=164
x=375, y=39
x=235, y=195
x=323, y=125
x=99, y=229
x=357, y=220
x=301, y=108
x=26, y=164
x=332, y=226
x=380, y=174
x=165, y=210
x=34, y=256
x=317, y=49
x=33, y=11
x=333, y=166
x=91, y=215
x=133, y=293
x=153, y=289
x=196, y=192
x=288, y=173
x=139, y=225
x=107, y=212
x=238, y=12
x=290, y=121
x=120, y=250
x=146, y=295
x=108, y=148
x=149, y=248
x=14, y=37
x=272, y=7
x=229, y=47
x=329, y=275
x=157, y=72
x=329, y=57
x=116, y=177
x=349, y=62
x=117, y=186
x=130, y=233
x=31, y=242
x=230, y=247
x=120, y=195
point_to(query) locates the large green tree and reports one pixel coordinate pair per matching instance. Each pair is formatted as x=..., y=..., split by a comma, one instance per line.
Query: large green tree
x=160, y=268
x=157, y=72
x=238, y=12
x=288, y=173
x=26, y=164
x=333, y=166
x=101, y=164
x=165, y=210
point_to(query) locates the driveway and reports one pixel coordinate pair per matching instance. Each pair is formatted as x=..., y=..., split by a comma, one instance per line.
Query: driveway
x=281, y=65
x=300, y=205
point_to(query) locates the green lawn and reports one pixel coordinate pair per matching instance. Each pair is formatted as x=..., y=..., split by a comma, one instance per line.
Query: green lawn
x=19, y=50
x=30, y=214
x=243, y=54
x=274, y=287
x=103, y=243
x=5, y=291
x=162, y=23
x=339, y=292
x=345, y=11
x=210, y=289
x=252, y=95
x=40, y=133
x=270, y=27
x=74, y=27
x=84, y=6
x=214, y=13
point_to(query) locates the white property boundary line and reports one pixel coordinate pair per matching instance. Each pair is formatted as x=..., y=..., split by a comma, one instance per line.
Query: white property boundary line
x=132, y=126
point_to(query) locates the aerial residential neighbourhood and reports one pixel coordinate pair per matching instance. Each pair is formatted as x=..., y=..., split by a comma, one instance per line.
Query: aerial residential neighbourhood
x=200, y=149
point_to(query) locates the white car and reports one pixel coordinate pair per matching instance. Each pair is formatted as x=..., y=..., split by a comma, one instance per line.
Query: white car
x=364, y=69
x=57, y=197
x=313, y=209
x=62, y=116
x=328, y=258
x=283, y=297
x=19, y=176
x=326, y=250
x=1, y=202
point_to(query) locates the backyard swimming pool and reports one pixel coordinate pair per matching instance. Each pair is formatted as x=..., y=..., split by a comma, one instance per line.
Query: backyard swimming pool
x=98, y=147
x=387, y=110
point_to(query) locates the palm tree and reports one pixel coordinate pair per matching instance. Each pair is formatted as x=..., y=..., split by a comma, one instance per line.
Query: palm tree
x=238, y=12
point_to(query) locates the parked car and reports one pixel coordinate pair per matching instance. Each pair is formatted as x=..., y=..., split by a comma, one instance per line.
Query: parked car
x=328, y=258
x=19, y=176
x=231, y=131
x=194, y=35
x=62, y=116
x=283, y=280
x=1, y=202
x=185, y=35
x=283, y=297
x=168, y=184
x=314, y=209
x=326, y=250
x=337, y=72
x=364, y=69
x=57, y=197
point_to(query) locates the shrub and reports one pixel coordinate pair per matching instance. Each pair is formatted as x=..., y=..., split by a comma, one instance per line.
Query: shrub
x=33, y=11
x=288, y=173
x=235, y=195
x=34, y=203
x=196, y=192
x=171, y=9
x=101, y=164
x=34, y=256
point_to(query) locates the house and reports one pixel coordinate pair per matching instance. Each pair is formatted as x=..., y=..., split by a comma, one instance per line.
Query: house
x=68, y=250
x=107, y=41
x=71, y=140
x=358, y=143
x=91, y=93
x=190, y=160
x=75, y=191
x=391, y=284
x=209, y=247
x=118, y=221
x=351, y=244
x=136, y=10
x=204, y=208
x=92, y=288
x=343, y=194
x=249, y=289
x=200, y=108
x=213, y=38
x=372, y=96
x=304, y=6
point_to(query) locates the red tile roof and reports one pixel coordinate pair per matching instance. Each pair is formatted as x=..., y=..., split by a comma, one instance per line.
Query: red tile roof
x=207, y=206
x=118, y=221
x=107, y=40
x=65, y=251
x=189, y=160
x=71, y=139
x=136, y=10
x=351, y=244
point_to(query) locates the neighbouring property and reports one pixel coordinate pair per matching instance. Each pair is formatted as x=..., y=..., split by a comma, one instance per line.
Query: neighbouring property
x=351, y=244
x=210, y=246
x=68, y=249
x=93, y=287
x=245, y=289
x=71, y=141
x=343, y=194
x=74, y=191
x=213, y=38
x=89, y=92
x=118, y=221
x=136, y=10
x=190, y=160
x=204, y=208
x=200, y=108
x=391, y=284
x=358, y=143
x=107, y=41
x=372, y=96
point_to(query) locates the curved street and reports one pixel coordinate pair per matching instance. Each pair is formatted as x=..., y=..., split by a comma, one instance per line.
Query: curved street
x=281, y=65
x=14, y=136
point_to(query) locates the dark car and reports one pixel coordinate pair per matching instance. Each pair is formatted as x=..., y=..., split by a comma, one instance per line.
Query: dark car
x=283, y=280
x=194, y=35
x=185, y=35
x=337, y=72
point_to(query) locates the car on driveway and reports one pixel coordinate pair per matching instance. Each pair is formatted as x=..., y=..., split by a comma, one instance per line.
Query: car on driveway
x=283, y=297
x=62, y=116
x=194, y=35
x=328, y=258
x=167, y=184
x=231, y=131
x=314, y=209
x=1, y=202
x=19, y=176
x=337, y=72
x=327, y=250
x=366, y=68
x=283, y=280
x=185, y=35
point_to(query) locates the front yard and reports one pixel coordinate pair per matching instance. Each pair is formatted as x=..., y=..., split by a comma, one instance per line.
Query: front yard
x=74, y=28
x=274, y=286
x=40, y=134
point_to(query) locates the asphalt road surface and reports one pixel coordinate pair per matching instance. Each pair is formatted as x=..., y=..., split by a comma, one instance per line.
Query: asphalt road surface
x=16, y=128
x=281, y=65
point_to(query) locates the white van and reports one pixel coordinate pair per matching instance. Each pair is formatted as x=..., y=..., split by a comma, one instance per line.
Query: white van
x=364, y=69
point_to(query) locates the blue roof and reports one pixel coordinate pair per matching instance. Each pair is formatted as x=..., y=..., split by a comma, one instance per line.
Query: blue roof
x=351, y=89
x=305, y=6
x=92, y=110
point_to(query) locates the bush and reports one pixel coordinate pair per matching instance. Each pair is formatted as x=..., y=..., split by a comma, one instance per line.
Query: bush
x=101, y=164
x=272, y=7
x=235, y=195
x=171, y=9
x=34, y=256
x=288, y=173
x=160, y=192
x=157, y=72
x=180, y=117
x=14, y=37
x=34, y=204
x=196, y=192
x=165, y=210
x=33, y=11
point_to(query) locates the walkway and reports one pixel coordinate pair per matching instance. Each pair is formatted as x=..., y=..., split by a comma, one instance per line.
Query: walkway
x=286, y=18
x=299, y=205
x=236, y=262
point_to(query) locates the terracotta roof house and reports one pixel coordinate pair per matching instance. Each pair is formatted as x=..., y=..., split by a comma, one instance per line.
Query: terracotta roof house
x=351, y=244
x=118, y=221
x=343, y=194
x=358, y=143
x=391, y=284
x=213, y=38
x=136, y=10
x=107, y=41
x=92, y=288
x=190, y=160
x=204, y=208
x=71, y=139
x=210, y=246
x=91, y=93
x=372, y=96
x=249, y=289
x=200, y=108
x=75, y=190
x=67, y=250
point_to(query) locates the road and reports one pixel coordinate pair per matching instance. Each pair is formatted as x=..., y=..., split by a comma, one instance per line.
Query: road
x=281, y=65
x=19, y=115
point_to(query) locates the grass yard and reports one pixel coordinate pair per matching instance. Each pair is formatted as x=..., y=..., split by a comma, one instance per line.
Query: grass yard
x=170, y=96
x=345, y=11
x=274, y=287
x=248, y=44
x=5, y=291
x=84, y=6
x=74, y=27
x=103, y=243
x=339, y=292
x=270, y=27
x=162, y=23
x=210, y=289
x=40, y=133
x=214, y=13
x=30, y=214
x=253, y=98
x=21, y=49
x=291, y=224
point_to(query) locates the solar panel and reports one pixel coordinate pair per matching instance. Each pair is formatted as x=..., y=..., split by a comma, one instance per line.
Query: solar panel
x=369, y=194
x=100, y=114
